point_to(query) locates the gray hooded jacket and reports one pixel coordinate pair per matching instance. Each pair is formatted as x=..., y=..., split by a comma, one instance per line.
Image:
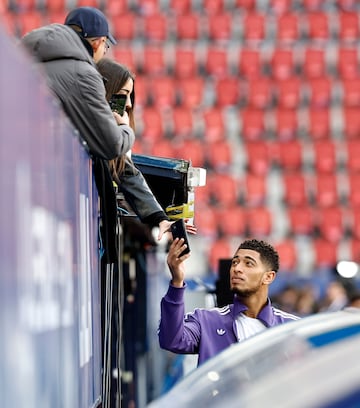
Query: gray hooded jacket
x=73, y=77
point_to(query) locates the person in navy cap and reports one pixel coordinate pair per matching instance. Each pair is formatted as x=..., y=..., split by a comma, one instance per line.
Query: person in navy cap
x=69, y=53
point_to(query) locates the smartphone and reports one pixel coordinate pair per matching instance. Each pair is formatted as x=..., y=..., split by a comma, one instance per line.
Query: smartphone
x=178, y=230
x=118, y=103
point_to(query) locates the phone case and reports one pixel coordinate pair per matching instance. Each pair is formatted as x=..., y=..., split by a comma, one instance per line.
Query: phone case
x=178, y=230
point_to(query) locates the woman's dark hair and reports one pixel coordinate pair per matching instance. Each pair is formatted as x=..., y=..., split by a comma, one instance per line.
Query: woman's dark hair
x=268, y=254
x=115, y=77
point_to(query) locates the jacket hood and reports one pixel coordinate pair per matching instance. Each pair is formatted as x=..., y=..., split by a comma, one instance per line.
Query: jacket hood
x=56, y=41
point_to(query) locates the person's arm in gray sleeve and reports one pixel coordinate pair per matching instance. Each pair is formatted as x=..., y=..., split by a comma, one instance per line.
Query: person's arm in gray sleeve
x=105, y=138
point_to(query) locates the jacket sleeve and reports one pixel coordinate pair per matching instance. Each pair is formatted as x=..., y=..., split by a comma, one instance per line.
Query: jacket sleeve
x=177, y=333
x=105, y=139
x=139, y=195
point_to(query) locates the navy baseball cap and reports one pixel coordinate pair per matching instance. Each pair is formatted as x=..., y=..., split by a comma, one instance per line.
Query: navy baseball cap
x=92, y=22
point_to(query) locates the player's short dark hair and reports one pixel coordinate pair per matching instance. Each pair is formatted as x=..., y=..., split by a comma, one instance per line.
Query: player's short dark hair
x=268, y=253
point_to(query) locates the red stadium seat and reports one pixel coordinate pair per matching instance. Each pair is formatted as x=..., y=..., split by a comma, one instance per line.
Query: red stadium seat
x=219, y=27
x=141, y=91
x=346, y=5
x=182, y=121
x=191, y=149
x=295, y=189
x=325, y=190
x=147, y=7
x=331, y=223
x=180, y=6
x=187, y=26
x=280, y=7
x=282, y=63
x=227, y=91
x=288, y=92
x=212, y=6
x=325, y=253
x=214, y=125
x=351, y=122
x=351, y=92
x=259, y=93
x=289, y=154
x=224, y=189
x=155, y=27
x=25, y=5
x=125, y=55
x=216, y=61
x=56, y=16
x=319, y=123
x=219, y=249
x=205, y=219
x=347, y=62
x=191, y=91
x=301, y=219
x=152, y=129
x=55, y=5
x=125, y=26
x=285, y=123
x=231, y=220
x=319, y=91
x=162, y=92
x=287, y=253
x=247, y=5
x=185, y=64
x=114, y=7
x=353, y=155
x=163, y=148
x=250, y=63
x=218, y=154
x=312, y=5
x=254, y=190
x=29, y=21
x=348, y=23
x=9, y=23
x=252, y=124
x=317, y=25
x=153, y=60
x=88, y=3
x=259, y=222
x=254, y=27
x=314, y=64
x=354, y=190
x=258, y=157
x=325, y=160
x=287, y=28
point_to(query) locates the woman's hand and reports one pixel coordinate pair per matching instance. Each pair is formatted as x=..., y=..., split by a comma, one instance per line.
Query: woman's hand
x=165, y=225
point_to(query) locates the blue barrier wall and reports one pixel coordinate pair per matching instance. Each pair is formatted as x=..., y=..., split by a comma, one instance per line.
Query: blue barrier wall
x=49, y=284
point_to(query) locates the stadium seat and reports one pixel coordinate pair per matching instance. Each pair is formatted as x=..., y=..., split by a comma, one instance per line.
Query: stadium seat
x=254, y=190
x=279, y=7
x=325, y=192
x=56, y=16
x=325, y=253
x=259, y=222
x=28, y=21
x=247, y=5
x=231, y=220
x=141, y=91
x=348, y=26
x=22, y=6
x=202, y=197
x=354, y=190
x=219, y=27
x=153, y=61
x=224, y=188
x=287, y=28
x=252, y=124
x=114, y=7
x=350, y=92
x=288, y=92
x=285, y=123
x=214, y=126
x=216, y=61
x=353, y=156
x=155, y=27
x=55, y=5
x=162, y=92
x=254, y=27
x=187, y=26
x=218, y=154
x=125, y=55
x=325, y=159
x=295, y=189
x=147, y=7
x=163, y=148
x=205, y=219
x=250, y=63
x=351, y=122
x=125, y=26
x=191, y=91
x=330, y=222
x=258, y=158
x=191, y=149
x=319, y=91
x=301, y=220
x=288, y=254
x=88, y=3
x=185, y=64
x=227, y=91
x=348, y=62
x=259, y=93
x=318, y=123
x=152, y=125
x=289, y=154
x=314, y=63
x=317, y=26
x=219, y=249
x=282, y=63
x=346, y=5
x=212, y=7
x=180, y=6
x=182, y=121
x=9, y=23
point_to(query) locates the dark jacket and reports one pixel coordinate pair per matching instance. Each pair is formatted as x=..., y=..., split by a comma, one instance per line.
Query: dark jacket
x=73, y=77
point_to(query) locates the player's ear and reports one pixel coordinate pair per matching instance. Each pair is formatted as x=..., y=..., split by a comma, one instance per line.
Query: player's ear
x=269, y=277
